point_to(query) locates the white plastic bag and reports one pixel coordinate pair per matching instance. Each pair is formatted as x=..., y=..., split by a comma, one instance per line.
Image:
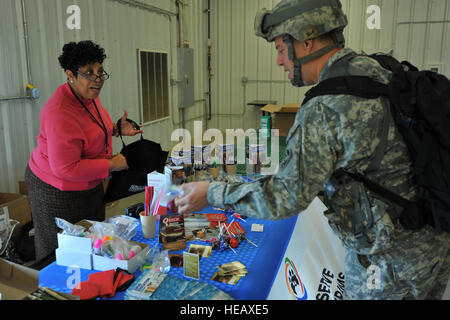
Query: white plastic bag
x=159, y=260
x=68, y=228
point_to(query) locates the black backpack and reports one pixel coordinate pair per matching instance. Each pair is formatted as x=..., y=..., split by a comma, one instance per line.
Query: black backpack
x=24, y=243
x=420, y=105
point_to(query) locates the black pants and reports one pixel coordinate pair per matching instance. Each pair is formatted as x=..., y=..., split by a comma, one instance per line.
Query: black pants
x=48, y=203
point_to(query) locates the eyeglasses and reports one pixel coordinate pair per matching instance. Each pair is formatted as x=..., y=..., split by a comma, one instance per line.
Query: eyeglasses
x=93, y=77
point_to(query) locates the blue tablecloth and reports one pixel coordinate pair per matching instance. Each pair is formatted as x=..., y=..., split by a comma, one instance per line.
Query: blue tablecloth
x=262, y=262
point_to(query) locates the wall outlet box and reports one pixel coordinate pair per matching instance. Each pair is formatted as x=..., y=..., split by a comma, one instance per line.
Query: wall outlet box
x=434, y=67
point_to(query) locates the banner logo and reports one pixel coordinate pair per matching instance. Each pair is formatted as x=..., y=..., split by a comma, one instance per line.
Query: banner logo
x=293, y=281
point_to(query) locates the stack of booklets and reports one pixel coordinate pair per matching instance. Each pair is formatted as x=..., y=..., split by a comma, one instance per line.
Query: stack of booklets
x=145, y=285
x=230, y=273
x=154, y=285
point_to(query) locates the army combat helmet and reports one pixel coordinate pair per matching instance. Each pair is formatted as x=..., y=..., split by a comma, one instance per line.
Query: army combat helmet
x=302, y=20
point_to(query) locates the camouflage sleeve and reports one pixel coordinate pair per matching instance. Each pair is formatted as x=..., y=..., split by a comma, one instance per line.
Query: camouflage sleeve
x=308, y=162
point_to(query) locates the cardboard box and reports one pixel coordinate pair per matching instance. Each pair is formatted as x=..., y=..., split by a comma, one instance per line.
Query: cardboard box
x=18, y=207
x=23, y=188
x=104, y=263
x=16, y=281
x=77, y=251
x=69, y=257
x=76, y=243
x=282, y=117
x=120, y=206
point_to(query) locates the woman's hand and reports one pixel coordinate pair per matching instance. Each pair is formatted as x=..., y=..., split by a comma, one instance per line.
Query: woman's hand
x=118, y=163
x=127, y=128
x=194, y=197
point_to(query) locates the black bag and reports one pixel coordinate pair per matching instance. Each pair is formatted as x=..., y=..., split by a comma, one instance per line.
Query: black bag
x=420, y=105
x=24, y=243
x=143, y=156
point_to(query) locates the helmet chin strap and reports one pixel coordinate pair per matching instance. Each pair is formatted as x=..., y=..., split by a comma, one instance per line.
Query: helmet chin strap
x=297, y=81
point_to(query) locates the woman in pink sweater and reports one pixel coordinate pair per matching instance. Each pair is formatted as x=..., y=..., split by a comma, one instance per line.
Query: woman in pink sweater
x=74, y=148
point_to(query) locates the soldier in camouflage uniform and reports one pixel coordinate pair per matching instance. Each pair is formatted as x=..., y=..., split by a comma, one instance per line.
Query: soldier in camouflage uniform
x=332, y=132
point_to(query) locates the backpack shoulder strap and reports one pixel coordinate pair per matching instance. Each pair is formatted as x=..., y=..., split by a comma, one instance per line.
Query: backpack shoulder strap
x=360, y=86
x=364, y=87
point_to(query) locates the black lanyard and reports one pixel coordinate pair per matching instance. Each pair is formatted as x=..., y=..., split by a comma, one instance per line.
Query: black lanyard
x=102, y=125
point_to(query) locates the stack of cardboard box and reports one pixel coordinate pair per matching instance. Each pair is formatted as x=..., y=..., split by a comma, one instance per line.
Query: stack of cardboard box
x=16, y=281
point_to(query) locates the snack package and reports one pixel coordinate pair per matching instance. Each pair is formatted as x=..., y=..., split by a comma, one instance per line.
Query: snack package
x=171, y=232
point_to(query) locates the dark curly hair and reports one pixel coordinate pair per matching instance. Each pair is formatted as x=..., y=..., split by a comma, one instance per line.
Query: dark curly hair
x=76, y=55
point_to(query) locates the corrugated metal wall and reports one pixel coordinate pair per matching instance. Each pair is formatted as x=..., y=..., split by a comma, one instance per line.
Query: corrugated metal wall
x=18, y=118
x=118, y=27
x=416, y=30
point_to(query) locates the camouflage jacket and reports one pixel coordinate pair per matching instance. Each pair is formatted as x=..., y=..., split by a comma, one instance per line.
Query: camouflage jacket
x=332, y=132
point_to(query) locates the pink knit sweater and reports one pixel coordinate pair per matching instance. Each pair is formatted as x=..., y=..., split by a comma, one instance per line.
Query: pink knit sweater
x=71, y=152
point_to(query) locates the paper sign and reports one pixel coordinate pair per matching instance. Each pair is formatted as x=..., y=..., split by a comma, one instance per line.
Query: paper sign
x=257, y=227
x=191, y=265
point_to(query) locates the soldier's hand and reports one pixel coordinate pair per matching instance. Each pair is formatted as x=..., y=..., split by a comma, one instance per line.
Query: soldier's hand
x=194, y=197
